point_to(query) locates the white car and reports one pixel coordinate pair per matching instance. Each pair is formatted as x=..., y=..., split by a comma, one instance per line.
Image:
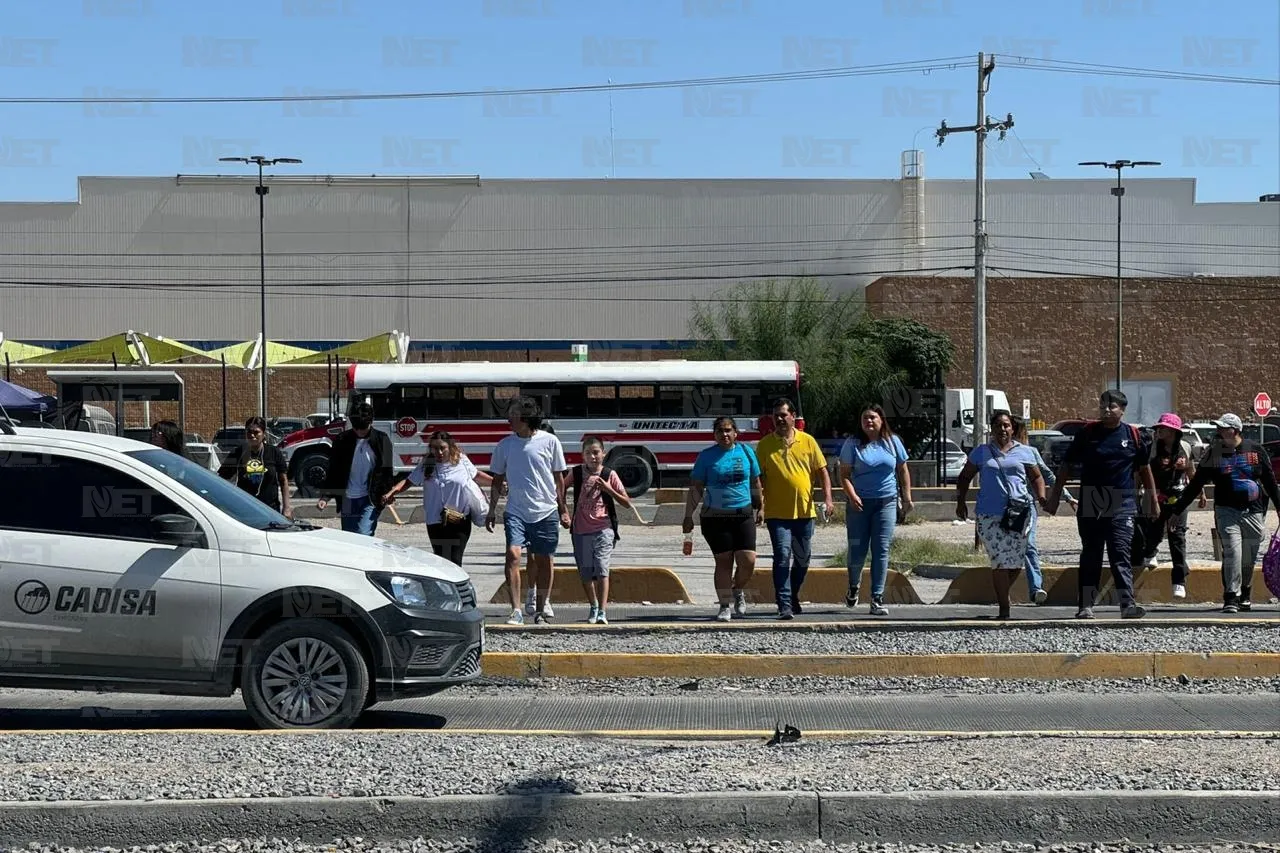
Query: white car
x=138, y=570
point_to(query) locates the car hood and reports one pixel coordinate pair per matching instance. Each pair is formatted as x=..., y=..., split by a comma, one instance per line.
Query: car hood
x=364, y=553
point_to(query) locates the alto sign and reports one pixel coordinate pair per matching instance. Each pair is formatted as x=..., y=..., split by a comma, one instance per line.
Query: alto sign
x=1262, y=404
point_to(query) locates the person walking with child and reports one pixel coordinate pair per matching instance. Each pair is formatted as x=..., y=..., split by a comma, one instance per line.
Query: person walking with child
x=596, y=492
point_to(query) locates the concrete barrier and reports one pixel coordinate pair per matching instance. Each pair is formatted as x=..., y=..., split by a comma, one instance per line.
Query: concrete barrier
x=627, y=585
x=1151, y=586
x=829, y=586
x=1039, y=667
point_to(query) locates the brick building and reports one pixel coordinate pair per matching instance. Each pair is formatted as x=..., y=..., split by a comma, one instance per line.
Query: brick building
x=1199, y=347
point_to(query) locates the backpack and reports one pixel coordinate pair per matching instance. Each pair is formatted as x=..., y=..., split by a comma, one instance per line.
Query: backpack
x=609, y=505
x=1271, y=565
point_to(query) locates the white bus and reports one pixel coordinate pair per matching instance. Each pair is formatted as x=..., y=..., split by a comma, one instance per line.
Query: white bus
x=653, y=416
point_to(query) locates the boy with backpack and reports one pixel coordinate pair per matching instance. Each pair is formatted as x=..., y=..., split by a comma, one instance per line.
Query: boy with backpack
x=596, y=492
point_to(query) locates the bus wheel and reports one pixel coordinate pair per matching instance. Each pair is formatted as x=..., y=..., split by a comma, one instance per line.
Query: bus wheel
x=309, y=473
x=635, y=470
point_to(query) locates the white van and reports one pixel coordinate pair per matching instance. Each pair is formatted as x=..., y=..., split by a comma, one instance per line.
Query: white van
x=141, y=571
x=959, y=413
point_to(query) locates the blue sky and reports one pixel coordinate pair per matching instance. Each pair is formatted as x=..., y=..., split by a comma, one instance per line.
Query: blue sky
x=1224, y=135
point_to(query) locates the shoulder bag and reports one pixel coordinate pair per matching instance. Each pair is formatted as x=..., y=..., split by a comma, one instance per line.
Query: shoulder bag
x=1017, y=510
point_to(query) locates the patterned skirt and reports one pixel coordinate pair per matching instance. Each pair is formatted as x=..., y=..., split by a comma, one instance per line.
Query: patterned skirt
x=1007, y=550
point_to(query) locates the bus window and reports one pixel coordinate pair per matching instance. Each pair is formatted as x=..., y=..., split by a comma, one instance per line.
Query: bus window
x=412, y=403
x=384, y=403
x=681, y=401
x=566, y=401
x=500, y=398
x=636, y=401
x=444, y=403
x=773, y=391
x=473, y=402
x=602, y=401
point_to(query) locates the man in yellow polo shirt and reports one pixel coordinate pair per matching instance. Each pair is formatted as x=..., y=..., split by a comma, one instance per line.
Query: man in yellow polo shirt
x=789, y=461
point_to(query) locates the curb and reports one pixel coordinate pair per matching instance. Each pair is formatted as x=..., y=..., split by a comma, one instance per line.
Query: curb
x=1040, y=667
x=932, y=817
x=627, y=585
x=921, y=626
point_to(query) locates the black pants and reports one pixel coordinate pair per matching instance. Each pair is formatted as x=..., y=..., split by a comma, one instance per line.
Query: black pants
x=450, y=540
x=1115, y=534
x=1149, y=533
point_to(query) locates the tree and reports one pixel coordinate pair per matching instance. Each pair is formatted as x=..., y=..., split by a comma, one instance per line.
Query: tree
x=849, y=359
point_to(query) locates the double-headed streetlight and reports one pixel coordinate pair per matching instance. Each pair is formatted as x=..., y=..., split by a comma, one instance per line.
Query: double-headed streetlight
x=1118, y=192
x=262, y=191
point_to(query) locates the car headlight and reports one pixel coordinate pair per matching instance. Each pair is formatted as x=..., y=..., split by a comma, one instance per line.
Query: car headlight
x=420, y=593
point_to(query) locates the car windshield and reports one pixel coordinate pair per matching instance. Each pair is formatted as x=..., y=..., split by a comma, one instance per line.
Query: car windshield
x=223, y=494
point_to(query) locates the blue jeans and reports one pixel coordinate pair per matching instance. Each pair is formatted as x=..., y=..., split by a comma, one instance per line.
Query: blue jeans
x=1035, y=579
x=792, y=547
x=871, y=531
x=359, y=515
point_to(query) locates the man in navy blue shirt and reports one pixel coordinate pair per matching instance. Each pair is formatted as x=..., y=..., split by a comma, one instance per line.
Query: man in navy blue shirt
x=1111, y=456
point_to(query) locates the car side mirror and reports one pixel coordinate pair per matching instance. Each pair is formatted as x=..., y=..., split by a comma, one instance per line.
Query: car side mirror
x=178, y=530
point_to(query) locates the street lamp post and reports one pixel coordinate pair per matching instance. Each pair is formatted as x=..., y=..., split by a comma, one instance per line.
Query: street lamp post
x=262, y=191
x=1118, y=192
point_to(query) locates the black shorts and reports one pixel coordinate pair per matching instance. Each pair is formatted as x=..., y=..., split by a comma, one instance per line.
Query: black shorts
x=726, y=533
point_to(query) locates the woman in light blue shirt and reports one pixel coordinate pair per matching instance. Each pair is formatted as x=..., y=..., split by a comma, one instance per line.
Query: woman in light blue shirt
x=873, y=473
x=1009, y=476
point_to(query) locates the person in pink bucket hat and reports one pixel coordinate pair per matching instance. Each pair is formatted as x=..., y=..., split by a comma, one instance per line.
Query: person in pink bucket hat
x=1172, y=467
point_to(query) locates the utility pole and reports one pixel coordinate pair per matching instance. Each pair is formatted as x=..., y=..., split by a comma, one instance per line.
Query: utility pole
x=983, y=126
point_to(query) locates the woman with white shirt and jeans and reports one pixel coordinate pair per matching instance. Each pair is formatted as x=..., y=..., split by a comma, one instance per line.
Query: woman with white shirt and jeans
x=451, y=498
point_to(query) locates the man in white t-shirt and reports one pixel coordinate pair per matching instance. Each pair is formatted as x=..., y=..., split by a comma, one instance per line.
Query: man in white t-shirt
x=531, y=462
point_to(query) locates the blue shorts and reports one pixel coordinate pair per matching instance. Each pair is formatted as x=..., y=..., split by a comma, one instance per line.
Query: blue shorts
x=541, y=537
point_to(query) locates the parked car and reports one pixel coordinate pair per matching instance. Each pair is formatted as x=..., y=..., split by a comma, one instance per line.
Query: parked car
x=285, y=426
x=954, y=458
x=231, y=593
x=1051, y=443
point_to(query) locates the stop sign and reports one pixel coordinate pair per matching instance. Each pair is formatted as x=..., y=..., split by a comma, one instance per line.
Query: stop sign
x=406, y=427
x=1262, y=404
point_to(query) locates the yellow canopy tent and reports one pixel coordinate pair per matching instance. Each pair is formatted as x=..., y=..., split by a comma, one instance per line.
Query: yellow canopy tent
x=389, y=347
x=127, y=348
x=15, y=351
x=247, y=355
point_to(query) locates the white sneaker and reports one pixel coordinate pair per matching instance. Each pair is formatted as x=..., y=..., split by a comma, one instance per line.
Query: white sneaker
x=595, y=614
x=602, y=619
x=531, y=602
x=740, y=604
x=1179, y=591
x=723, y=615
x=517, y=618
x=1153, y=563
x=1041, y=596
x=547, y=611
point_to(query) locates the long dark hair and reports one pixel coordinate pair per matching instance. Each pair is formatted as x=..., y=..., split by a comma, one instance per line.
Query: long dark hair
x=171, y=434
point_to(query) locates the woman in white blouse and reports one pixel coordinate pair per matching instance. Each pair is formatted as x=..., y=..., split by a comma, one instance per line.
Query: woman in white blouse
x=451, y=498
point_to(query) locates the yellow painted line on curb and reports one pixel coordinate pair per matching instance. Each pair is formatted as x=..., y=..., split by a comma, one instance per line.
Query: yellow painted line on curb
x=524, y=665
x=708, y=734
x=622, y=627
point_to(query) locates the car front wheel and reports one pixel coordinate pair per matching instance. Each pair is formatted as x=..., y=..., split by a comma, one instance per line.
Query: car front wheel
x=305, y=674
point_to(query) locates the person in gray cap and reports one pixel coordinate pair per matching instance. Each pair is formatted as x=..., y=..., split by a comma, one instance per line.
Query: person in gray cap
x=1243, y=480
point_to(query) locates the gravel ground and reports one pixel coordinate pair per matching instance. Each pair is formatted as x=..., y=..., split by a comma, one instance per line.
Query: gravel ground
x=818, y=686
x=633, y=844
x=352, y=764
x=1074, y=640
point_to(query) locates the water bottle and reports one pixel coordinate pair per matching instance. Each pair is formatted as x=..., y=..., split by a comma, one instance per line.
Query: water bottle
x=688, y=544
